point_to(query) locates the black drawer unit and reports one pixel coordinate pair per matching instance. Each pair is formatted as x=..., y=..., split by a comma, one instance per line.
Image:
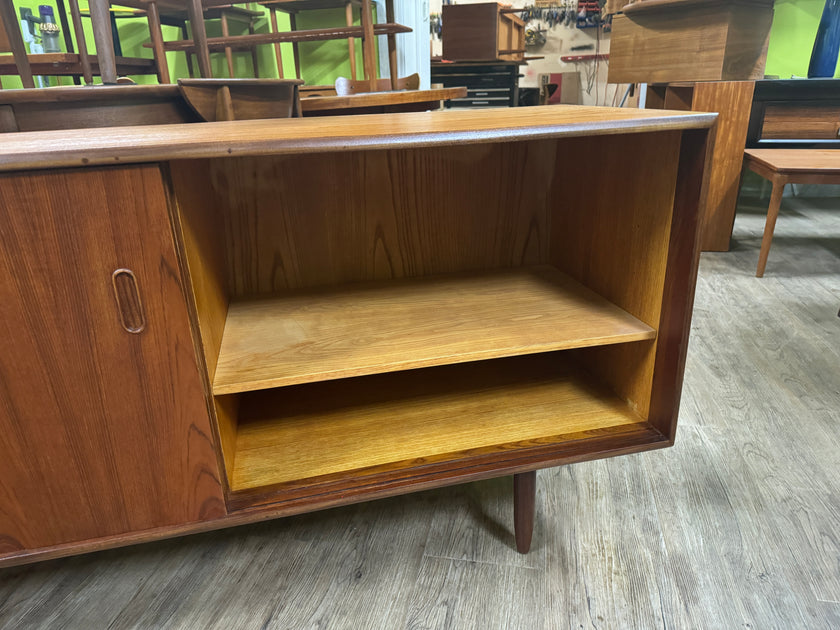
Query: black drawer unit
x=489, y=84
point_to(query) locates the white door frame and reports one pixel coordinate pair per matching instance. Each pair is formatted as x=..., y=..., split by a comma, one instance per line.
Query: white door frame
x=413, y=53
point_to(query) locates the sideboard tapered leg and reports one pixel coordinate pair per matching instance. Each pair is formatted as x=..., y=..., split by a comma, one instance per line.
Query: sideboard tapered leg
x=524, y=506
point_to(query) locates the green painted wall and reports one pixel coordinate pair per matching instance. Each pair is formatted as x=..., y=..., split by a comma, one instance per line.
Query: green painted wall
x=321, y=62
x=792, y=37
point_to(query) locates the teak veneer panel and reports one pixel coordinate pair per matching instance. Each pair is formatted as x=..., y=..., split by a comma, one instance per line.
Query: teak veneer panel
x=619, y=245
x=384, y=327
x=407, y=419
x=255, y=137
x=102, y=431
x=295, y=222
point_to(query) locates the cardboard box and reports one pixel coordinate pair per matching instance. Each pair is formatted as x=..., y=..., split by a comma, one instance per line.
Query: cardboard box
x=568, y=88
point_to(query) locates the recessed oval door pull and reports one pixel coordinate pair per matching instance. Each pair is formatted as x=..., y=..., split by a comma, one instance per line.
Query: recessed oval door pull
x=129, y=304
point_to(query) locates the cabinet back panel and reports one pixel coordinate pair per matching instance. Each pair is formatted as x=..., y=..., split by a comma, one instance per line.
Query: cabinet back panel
x=309, y=220
x=611, y=222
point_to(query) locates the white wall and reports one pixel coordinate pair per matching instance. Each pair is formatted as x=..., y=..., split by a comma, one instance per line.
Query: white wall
x=412, y=48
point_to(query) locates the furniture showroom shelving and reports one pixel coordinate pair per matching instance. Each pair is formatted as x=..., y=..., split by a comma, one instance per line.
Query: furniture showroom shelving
x=259, y=318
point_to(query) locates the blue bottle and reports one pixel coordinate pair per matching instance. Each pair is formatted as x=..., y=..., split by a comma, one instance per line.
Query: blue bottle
x=827, y=44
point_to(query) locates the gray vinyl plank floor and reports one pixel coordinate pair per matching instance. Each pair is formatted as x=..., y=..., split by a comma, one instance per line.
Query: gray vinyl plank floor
x=737, y=526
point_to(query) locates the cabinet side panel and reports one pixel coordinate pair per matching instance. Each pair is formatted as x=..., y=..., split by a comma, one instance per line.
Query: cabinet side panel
x=610, y=224
x=102, y=431
x=732, y=101
x=311, y=220
x=680, y=280
x=200, y=226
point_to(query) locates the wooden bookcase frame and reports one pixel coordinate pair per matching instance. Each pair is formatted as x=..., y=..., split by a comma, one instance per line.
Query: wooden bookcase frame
x=381, y=304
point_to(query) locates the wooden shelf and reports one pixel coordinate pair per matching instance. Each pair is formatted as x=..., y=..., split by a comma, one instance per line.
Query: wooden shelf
x=302, y=436
x=383, y=327
x=246, y=42
x=61, y=64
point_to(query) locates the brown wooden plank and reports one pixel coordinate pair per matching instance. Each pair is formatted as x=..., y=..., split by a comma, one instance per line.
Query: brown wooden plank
x=314, y=104
x=382, y=327
x=791, y=161
x=436, y=212
x=402, y=420
x=153, y=143
x=732, y=101
x=784, y=120
x=246, y=42
x=103, y=431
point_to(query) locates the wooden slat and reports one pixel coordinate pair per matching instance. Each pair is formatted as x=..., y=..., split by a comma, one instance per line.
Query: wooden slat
x=61, y=64
x=338, y=333
x=254, y=137
x=407, y=419
x=379, y=99
x=822, y=161
x=246, y=42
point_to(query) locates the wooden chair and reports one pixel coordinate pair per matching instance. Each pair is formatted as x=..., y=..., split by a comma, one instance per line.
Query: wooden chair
x=347, y=87
x=11, y=40
x=293, y=7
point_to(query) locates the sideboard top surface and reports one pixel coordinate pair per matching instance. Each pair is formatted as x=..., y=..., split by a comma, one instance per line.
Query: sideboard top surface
x=132, y=145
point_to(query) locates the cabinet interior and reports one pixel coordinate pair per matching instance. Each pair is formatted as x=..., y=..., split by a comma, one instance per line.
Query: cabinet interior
x=370, y=315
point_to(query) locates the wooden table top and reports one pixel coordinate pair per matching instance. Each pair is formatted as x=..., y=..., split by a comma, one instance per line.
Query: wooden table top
x=826, y=161
x=378, y=99
x=152, y=143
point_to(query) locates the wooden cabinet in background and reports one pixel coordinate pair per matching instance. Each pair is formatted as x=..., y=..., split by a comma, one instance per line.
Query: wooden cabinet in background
x=358, y=307
x=663, y=41
x=731, y=101
x=482, y=32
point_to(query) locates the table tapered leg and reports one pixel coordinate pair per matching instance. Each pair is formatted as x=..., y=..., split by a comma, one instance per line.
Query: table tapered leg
x=351, y=41
x=770, y=224
x=524, y=507
x=158, y=50
x=277, y=52
x=103, y=37
x=368, y=45
x=392, y=45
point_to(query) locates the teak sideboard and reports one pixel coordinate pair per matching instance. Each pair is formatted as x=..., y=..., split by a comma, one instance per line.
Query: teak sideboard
x=212, y=324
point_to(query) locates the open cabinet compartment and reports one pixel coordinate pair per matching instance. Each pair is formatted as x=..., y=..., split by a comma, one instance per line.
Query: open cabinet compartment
x=410, y=317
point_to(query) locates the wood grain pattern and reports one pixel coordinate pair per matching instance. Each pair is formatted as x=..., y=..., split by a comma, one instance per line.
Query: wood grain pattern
x=248, y=98
x=400, y=420
x=320, y=220
x=731, y=100
x=697, y=41
x=317, y=104
x=800, y=120
x=373, y=328
x=797, y=161
x=103, y=432
x=409, y=130
x=618, y=239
